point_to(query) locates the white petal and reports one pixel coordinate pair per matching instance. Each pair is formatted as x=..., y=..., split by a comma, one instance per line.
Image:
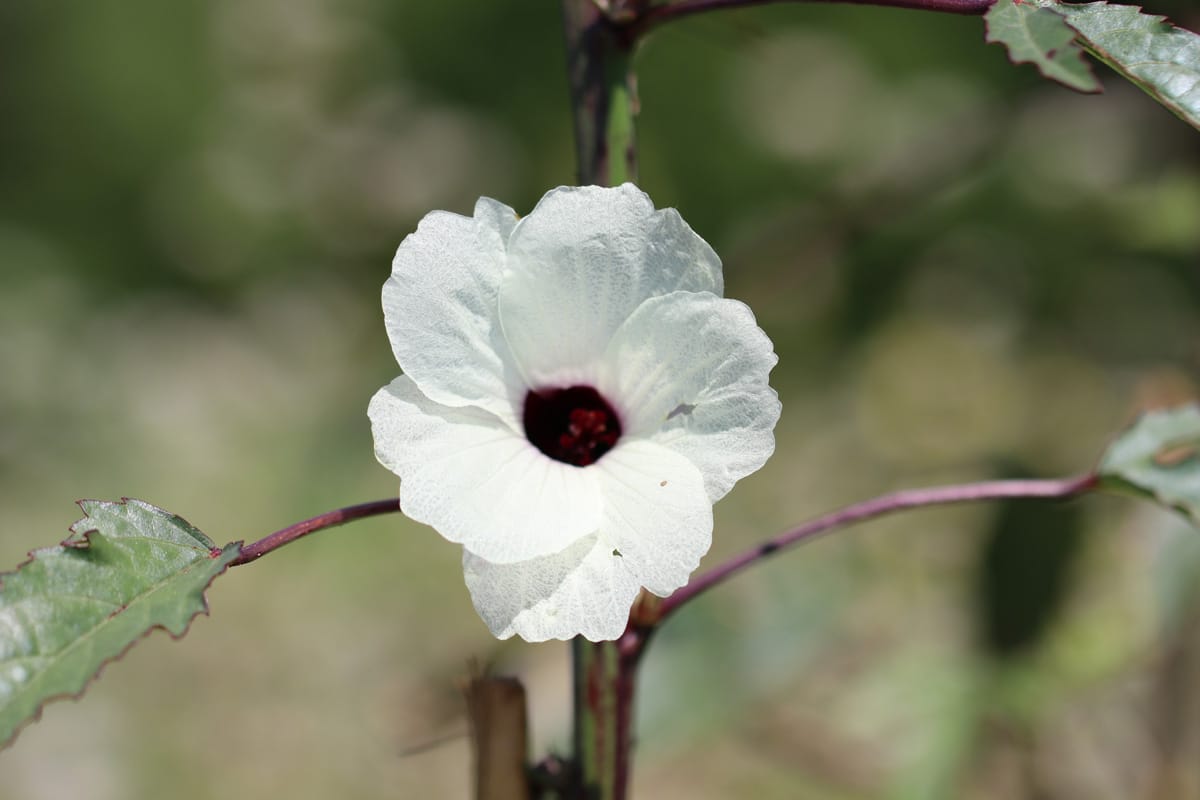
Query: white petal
x=441, y=309
x=493, y=217
x=580, y=263
x=584, y=590
x=690, y=371
x=477, y=482
x=656, y=513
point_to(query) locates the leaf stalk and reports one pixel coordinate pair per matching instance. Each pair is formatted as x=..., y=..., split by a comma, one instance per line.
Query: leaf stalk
x=1056, y=488
x=668, y=12
x=330, y=519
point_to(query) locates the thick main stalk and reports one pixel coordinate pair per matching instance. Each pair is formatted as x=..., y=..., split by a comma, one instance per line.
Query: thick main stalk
x=603, y=104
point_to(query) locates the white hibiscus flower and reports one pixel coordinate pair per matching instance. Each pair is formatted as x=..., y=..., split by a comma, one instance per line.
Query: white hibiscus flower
x=576, y=395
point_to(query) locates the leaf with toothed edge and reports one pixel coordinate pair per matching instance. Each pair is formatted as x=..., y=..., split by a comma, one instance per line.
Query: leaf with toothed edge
x=126, y=569
x=1158, y=457
x=1159, y=58
x=1037, y=35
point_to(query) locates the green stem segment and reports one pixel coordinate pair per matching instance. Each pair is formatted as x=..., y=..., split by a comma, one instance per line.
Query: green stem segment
x=603, y=94
x=605, y=676
x=603, y=102
x=596, y=675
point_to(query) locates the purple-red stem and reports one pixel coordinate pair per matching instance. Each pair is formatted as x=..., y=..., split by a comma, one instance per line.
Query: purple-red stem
x=606, y=686
x=299, y=530
x=876, y=507
x=660, y=14
x=858, y=512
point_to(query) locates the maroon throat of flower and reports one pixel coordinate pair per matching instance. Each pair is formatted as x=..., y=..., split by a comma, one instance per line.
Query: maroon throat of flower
x=574, y=425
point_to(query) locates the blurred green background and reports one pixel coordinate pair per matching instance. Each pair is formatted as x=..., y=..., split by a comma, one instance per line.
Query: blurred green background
x=967, y=272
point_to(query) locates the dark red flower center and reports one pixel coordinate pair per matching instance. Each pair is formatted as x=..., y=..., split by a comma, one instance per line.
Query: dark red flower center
x=574, y=425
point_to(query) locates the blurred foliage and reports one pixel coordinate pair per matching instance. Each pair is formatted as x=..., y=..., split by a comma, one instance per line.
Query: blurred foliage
x=1025, y=565
x=961, y=266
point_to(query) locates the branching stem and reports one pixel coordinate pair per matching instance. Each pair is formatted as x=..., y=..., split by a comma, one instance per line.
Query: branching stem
x=605, y=672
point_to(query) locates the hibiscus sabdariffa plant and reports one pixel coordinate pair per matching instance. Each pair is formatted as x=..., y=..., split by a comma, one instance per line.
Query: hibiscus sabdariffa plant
x=576, y=395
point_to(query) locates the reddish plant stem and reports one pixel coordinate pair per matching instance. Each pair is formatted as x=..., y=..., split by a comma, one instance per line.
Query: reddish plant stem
x=869, y=509
x=329, y=519
x=660, y=14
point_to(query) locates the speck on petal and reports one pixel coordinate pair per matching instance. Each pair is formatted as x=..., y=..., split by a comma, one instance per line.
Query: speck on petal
x=580, y=263
x=690, y=370
x=476, y=481
x=441, y=309
x=584, y=590
x=656, y=513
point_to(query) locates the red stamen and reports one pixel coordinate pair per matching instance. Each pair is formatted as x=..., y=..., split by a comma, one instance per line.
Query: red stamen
x=574, y=425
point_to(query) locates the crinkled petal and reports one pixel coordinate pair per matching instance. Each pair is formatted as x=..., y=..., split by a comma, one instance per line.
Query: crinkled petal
x=656, y=513
x=690, y=370
x=441, y=309
x=580, y=263
x=584, y=590
x=467, y=474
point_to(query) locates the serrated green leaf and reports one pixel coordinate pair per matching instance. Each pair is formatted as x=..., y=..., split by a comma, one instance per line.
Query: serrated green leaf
x=1159, y=457
x=1039, y=36
x=127, y=568
x=1160, y=58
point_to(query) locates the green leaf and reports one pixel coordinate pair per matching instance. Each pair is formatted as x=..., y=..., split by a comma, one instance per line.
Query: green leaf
x=1039, y=36
x=127, y=568
x=1159, y=457
x=1160, y=58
